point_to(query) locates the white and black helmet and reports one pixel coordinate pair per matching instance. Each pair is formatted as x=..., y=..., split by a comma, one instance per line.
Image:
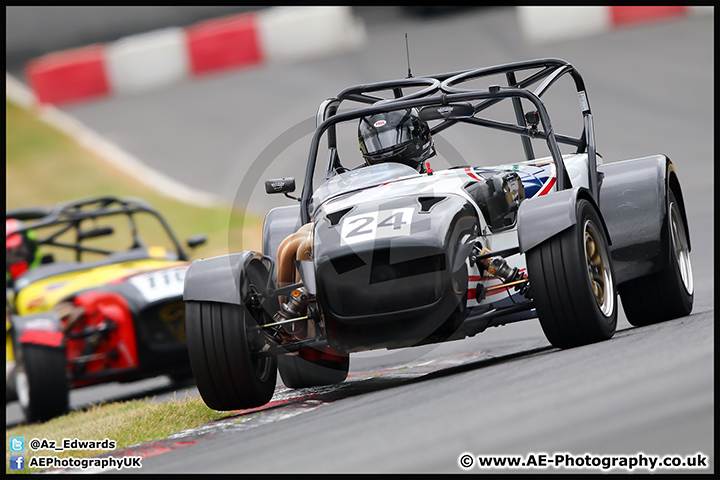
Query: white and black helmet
x=398, y=136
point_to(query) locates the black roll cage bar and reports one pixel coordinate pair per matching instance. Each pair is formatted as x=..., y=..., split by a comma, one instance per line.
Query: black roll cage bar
x=441, y=89
x=72, y=214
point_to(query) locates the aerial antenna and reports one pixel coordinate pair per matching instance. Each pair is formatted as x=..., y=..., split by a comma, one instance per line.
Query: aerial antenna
x=407, y=51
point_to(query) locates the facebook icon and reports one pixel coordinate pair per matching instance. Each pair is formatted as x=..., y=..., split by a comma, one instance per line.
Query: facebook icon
x=17, y=462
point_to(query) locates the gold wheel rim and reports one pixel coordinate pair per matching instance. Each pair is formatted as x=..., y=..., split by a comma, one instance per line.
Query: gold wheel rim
x=598, y=269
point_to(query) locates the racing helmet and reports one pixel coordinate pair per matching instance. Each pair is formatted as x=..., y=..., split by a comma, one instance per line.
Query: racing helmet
x=397, y=136
x=20, y=249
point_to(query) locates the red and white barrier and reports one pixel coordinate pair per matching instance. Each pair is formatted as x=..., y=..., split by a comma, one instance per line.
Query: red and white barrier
x=70, y=75
x=151, y=60
x=147, y=61
x=556, y=23
x=224, y=43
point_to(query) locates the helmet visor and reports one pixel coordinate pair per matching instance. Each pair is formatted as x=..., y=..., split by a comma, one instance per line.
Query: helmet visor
x=382, y=135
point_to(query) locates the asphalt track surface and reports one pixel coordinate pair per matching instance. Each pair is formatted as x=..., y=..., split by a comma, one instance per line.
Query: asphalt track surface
x=506, y=391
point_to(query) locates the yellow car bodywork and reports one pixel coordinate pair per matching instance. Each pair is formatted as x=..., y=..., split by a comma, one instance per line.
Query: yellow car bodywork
x=43, y=295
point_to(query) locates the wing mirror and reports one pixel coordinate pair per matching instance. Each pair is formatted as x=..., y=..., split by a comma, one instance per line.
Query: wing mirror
x=196, y=240
x=283, y=185
x=280, y=185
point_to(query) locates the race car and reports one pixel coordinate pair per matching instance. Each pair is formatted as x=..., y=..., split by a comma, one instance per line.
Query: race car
x=89, y=300
x=380, y=250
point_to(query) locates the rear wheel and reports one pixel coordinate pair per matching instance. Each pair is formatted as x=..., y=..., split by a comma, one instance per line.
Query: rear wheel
x=313, y=368
x=667, y=294
x=41, y=382
x=224, y=345
x=573, y=283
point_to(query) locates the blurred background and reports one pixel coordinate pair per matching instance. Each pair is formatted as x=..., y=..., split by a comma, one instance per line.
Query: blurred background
x=33, y=31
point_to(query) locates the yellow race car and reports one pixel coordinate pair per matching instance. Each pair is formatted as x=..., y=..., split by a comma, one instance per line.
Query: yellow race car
x=90, y=300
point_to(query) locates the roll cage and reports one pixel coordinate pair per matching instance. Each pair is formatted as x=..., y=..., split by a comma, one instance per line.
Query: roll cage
x=69, y=217
x=441, y=90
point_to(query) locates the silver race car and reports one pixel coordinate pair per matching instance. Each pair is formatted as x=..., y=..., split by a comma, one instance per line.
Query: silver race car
x=388, y=253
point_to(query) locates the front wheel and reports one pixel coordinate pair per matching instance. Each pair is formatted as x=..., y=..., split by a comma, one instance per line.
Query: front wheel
x=41, y=382
x=224, y=346
x=667, y=294
x=573, y=282
x=228, y=372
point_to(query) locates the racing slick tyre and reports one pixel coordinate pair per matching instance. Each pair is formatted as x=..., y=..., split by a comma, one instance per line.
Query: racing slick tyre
x=573, y=283
x=41, y=383
x=299, y=371
x=228, y=374
x=667, y=294
x=223, y=343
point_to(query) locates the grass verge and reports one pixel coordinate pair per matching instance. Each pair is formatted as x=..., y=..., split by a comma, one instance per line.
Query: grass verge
x=127, y=423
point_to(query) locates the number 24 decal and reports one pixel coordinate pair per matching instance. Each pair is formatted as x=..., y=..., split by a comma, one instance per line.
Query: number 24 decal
x=371, y=225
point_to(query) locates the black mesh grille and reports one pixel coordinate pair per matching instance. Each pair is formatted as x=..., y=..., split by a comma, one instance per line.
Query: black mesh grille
x=387, y=281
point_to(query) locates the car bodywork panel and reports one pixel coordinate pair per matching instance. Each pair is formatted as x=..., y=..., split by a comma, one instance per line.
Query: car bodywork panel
x=42, y=295
x=633, y=200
